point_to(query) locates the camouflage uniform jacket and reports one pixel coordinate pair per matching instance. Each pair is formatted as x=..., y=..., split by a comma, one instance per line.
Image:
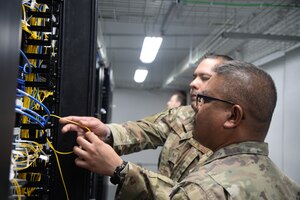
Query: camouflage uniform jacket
x=171, y=129
x=238, y=171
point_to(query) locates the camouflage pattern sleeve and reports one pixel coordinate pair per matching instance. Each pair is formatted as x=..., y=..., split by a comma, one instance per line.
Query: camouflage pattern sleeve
x=148, y=133
x=189, y=192
x=140, y=183
x=135, y=136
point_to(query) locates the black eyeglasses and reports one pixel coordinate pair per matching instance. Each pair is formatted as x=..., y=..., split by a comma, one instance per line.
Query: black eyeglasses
x=206, y=99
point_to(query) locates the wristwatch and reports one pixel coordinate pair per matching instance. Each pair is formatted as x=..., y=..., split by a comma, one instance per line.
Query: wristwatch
x=117, y=177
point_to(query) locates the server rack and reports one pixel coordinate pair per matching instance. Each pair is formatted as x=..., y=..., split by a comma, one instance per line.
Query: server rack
x=57, y=76
x=9, y=46
x=78, y=85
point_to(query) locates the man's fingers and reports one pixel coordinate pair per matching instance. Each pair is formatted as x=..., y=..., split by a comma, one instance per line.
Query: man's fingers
x=71, y=127
x=81, y=163
x=81, y=153
x=86, y=141
x=77, y=119
x=86, y=145
x=65, y=120
x=90, y=136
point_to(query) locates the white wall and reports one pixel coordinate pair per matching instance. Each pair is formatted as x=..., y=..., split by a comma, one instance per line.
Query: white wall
x=284, y=136
x=137, y=104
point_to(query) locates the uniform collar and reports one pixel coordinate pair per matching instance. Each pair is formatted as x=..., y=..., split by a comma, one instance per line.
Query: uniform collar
x=257, y=148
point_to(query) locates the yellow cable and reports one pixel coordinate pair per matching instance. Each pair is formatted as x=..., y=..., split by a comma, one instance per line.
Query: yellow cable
x=32, y=49
x=50, y=144
x=18, y=189
x=59, y=152
x=31, y=153
x=81, y=126
x=60, y=171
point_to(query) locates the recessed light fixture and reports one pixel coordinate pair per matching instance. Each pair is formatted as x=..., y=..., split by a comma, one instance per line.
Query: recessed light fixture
x=140, y=75
x=150, y=48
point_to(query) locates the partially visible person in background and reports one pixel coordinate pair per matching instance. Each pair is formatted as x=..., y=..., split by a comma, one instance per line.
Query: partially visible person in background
x=177, y=99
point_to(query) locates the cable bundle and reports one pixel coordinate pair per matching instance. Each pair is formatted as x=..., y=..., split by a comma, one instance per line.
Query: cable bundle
x=32, y=115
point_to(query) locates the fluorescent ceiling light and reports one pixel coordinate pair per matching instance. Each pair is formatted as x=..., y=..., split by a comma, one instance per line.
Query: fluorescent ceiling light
x=140, y=75
x=150, y=48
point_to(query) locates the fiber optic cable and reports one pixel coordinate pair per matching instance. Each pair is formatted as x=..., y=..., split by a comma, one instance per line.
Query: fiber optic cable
x=17, y=188
x=59, y=168
x=58, y=152
x=26, y=154
x=80, y=125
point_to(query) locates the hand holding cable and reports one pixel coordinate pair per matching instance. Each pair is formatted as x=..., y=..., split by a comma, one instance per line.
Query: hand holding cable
x=94, y=124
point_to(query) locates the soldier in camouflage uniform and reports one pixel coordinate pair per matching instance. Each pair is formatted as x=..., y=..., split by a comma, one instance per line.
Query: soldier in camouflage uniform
x=177, y=99
x=236, y=108
x=222, y=176
x=171, y=129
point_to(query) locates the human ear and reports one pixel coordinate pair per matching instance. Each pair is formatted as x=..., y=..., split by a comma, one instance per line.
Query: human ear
x=235, y=117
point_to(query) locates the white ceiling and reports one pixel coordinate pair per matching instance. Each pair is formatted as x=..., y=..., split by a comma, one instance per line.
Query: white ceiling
x=191, y=28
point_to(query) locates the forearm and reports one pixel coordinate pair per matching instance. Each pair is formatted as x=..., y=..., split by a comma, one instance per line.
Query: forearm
x=140, y=183
x=152, y=131
x=133, y=136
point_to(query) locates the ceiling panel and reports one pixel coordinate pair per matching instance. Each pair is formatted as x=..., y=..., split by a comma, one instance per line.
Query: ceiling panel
x=190, y=29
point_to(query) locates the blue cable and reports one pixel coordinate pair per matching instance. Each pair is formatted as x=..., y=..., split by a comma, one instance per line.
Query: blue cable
x=21, y=84
x=24, y=56
x=27, y=67
x=34, y=6
x=29, y=116
x=23, y=68
x=31, y=112
x=37, y=101
x=28, y=63
x=40, y=52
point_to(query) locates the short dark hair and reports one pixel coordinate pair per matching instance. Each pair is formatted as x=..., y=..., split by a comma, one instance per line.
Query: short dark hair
x=216, y=56
x=249, y=86
x=181, y=97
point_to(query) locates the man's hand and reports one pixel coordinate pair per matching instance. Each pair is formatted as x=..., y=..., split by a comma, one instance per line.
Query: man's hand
x=94, y=124
x=95, y=155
